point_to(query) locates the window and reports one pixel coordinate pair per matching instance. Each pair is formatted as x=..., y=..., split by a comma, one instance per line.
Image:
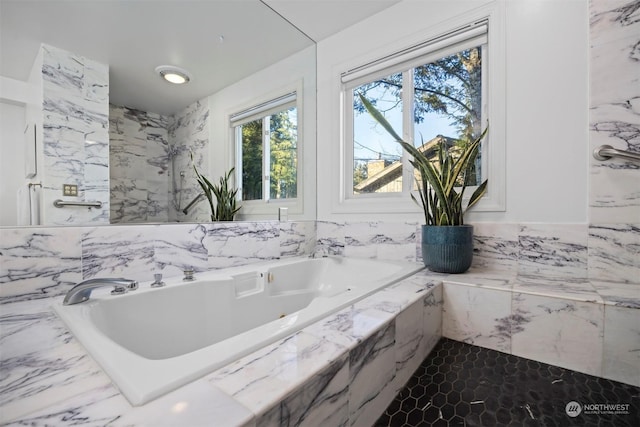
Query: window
x=266, y=139
x=433, y=92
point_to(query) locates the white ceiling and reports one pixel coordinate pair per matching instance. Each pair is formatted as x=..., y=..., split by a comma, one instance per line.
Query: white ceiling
x=135, y=36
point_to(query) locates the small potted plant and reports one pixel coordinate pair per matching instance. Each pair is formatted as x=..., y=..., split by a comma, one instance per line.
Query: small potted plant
x=225, y=206
x=447, y=243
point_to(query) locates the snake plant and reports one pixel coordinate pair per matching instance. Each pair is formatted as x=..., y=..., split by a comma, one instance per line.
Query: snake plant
x=225, y=206
x=440, y=200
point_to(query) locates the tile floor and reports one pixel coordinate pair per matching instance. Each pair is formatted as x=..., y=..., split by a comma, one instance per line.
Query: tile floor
x=463, y=385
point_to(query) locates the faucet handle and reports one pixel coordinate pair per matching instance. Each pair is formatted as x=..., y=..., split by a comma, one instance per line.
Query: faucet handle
x=118, y=290
x=128, y=285
x=158, y=281
x=188, y=275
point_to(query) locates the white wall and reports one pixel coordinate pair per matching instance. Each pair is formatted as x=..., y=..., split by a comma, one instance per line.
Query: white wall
x=12, y=123
x=297, y=70
x=546, y=102
x=16, y=97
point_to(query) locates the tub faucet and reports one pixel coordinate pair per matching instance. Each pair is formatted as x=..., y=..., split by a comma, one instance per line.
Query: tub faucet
x=82, y=291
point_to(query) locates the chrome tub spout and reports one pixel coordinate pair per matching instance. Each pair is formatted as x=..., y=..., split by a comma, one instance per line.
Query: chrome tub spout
x=81, y=292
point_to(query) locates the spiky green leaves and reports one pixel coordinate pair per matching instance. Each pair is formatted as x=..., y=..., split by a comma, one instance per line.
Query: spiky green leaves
x=225, y=206
x=441, y=202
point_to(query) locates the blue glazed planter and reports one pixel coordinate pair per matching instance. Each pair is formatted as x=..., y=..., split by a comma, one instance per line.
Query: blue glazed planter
x=447, y=249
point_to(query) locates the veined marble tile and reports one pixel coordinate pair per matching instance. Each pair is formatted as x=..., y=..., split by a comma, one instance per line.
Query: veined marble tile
x=96, y=407
x=433, y=305
x=133, y=207
x=41, y=362
x=236, y=243
x=483, y=278
x=118, y=251
x=380, y=240
x=611, y=20
x=67, y=73
x=397, y=297
x=189, y=135
x=410, y=336
x=321, y=401
x=140, y=163
x=372, y=366
x=553, y=251
x=350, y=325
x=96, y=81
x=614, y=252
x=158, y=203
x=495, y=246
x=621, y=352
x=559, y=332
x=331, y=238
x=197, y=403
x=179, y=247
x=75, y=113
x=578, y=290
x=613, y=68
x=477, y=316
x=38, y=262
x=619, y=294
x=614, y=196
x=297, y=238
x=62, y=71
x=276, y=371
x=614, y=110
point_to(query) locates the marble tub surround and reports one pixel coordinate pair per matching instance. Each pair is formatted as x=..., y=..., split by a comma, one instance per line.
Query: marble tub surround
x=38, y=263
x=322, y=373
x=573, y=252
x=357, y=359
x=590, y=327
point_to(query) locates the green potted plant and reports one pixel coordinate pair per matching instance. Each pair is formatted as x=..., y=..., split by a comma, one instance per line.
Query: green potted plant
x=447, y=243
x=225, y=206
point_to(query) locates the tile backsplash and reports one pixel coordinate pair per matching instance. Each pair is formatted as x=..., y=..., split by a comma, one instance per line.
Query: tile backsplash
x=40, y=263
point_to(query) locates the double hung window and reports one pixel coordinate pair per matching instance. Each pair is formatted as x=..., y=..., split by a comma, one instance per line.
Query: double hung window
x=266, y=140
x=431, y=93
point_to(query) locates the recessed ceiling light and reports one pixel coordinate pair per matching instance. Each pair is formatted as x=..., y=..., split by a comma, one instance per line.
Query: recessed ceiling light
x=173, y=74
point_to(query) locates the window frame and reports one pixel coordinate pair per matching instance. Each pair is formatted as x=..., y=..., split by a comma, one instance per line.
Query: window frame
x=493, y=112
x=258, y=109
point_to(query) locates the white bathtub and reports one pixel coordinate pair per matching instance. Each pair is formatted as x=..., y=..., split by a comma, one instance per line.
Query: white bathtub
x=152, y=341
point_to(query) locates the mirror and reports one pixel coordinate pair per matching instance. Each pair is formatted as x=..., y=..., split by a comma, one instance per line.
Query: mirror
x=237, y=53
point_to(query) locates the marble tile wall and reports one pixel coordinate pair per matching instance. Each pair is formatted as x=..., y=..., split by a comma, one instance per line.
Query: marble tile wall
x=564, y=294
x=614, y=119
x=189, y=134
x=614, y=111
x=37, y=263
x=152, y=177
x=139, y=165
x=75, y=126
x=573, y=253
x=593, y=332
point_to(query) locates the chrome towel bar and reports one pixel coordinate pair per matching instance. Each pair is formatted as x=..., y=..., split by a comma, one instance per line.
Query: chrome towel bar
x=606, y=152
x=61, y=204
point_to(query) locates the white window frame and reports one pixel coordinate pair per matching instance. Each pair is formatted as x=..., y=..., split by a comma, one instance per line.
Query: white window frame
x=494, y=95
x=271, y=103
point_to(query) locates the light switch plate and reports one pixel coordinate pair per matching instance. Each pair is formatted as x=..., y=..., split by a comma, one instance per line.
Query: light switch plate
x=70, y=190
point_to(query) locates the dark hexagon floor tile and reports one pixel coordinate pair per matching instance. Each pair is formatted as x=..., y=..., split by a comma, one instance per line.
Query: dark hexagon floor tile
x=463, y=385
